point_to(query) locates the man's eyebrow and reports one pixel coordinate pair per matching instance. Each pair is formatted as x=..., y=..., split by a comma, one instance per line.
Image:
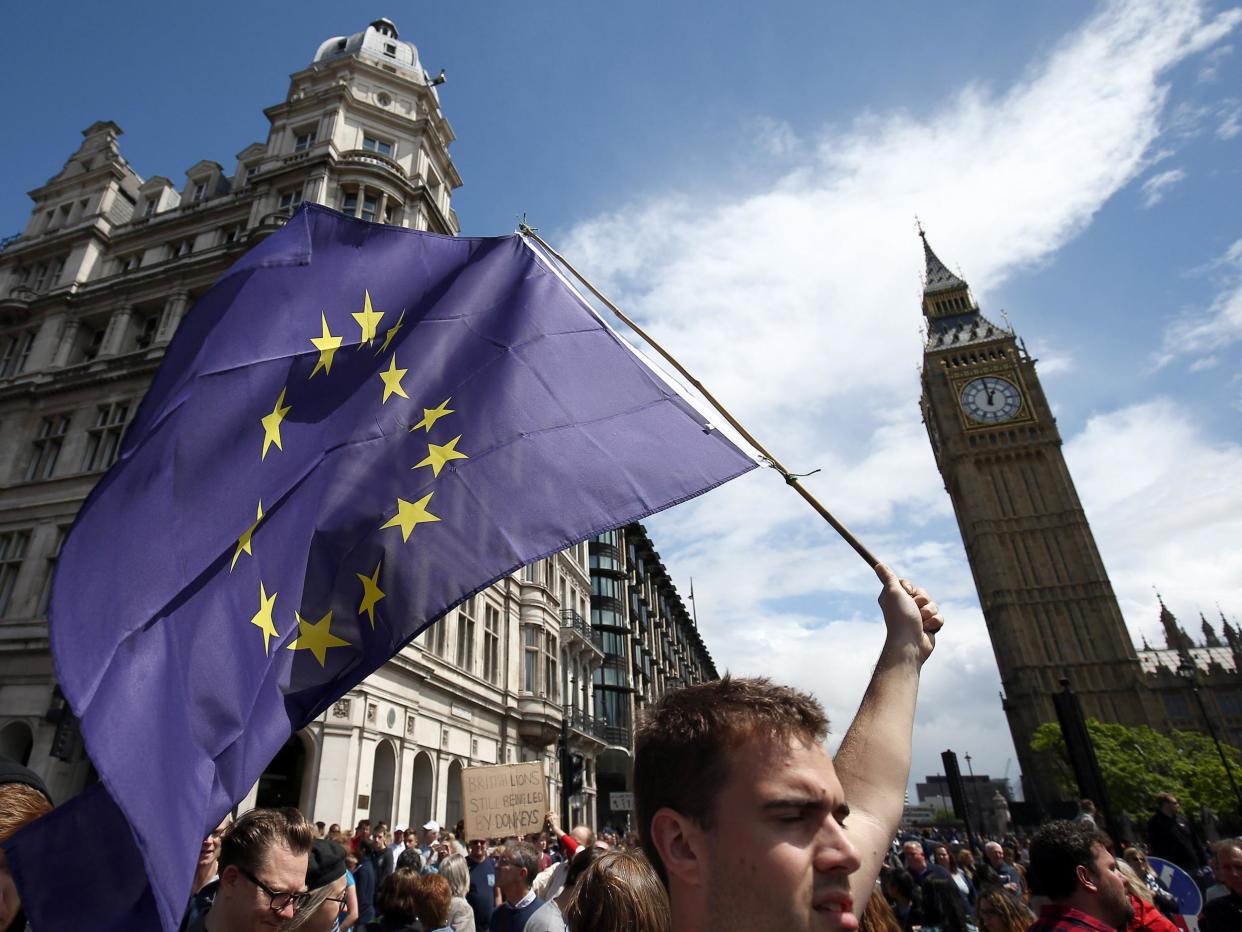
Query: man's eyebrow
x=840, y=811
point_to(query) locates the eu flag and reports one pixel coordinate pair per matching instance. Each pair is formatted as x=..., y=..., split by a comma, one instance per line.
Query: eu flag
x=357, y=427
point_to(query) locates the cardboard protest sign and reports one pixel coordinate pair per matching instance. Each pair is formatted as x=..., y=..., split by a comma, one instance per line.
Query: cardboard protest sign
x=510, y=799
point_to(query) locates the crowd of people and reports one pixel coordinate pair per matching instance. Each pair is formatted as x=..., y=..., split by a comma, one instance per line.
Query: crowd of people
x=271, y=867
x=1070, y=872
x=744, y=822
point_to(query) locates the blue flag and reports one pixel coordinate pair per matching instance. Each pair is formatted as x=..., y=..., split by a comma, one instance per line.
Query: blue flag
x=357, y=427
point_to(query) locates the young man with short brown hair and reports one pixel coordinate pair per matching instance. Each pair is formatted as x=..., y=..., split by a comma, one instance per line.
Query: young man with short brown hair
x=744, y=814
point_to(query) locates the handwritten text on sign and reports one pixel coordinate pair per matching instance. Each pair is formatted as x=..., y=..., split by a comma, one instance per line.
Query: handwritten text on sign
x=511, y=799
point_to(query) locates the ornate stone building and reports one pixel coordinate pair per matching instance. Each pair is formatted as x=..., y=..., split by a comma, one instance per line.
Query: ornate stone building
x=1047, y=601
x=92, y=291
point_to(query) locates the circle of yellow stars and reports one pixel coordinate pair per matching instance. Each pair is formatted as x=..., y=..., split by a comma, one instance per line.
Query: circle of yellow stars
x=317, y=636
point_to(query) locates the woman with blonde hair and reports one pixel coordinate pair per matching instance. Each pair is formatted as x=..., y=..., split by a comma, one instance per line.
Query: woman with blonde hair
x=460, y=915
x=1000, y=911
x=619, y=892
x=1147, y=918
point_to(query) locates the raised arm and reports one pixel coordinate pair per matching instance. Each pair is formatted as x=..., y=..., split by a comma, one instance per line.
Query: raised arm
x=873, y=762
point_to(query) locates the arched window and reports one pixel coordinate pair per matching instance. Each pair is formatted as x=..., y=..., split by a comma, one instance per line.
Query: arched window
x=16, y=742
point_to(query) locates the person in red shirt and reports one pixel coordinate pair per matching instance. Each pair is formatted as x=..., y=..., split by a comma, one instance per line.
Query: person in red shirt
x=1147, y=917
x=1071, y=865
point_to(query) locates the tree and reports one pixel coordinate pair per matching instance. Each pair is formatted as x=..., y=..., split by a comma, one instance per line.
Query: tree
x=1137, y=763
x=944, y=817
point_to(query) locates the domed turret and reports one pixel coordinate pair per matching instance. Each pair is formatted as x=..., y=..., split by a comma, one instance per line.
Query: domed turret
x=379, y=42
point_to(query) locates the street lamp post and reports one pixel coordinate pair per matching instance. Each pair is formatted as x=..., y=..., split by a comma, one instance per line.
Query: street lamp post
x=1187, y=671
x=974, y=793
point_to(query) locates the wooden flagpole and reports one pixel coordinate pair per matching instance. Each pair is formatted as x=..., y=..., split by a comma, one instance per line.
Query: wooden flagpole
x=790, y=479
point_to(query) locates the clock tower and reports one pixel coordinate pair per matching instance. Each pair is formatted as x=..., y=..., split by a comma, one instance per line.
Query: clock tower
x=1046, y=598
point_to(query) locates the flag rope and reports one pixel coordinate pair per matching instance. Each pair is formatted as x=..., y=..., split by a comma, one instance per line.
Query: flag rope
x=791, y=479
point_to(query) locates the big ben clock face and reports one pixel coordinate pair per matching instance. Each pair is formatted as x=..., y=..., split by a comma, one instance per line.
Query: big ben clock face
x=991, y=399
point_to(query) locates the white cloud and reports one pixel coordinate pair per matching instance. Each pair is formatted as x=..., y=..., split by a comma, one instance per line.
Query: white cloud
x=1052, y=359
x=1203, y=334
x=1155, y=187
x=1166, y=508
x=1230, y=115
x=1212, y=62
x=776, y=138
x=797, y=303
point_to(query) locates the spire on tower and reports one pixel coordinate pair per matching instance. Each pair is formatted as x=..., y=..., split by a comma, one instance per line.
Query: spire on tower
x=1210, y=638
x=1174, y=637
x=937, y=276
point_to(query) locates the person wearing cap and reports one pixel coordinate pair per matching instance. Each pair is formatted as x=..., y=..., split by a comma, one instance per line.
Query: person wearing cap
x=23, y=798
x=430, y=848
x=325, y=883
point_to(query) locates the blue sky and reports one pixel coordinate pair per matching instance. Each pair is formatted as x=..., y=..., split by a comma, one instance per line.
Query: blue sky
x=744, y=178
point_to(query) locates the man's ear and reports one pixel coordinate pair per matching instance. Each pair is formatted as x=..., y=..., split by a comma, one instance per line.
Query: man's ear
x=1086, y=878
x=682, y=846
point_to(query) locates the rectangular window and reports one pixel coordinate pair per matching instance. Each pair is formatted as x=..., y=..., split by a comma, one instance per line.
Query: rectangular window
x=40, y=276
x=103, y=441
x=290, y=199
x=530, y=658
x=465, y=636
x=390, y=50
x=144, y=334
x=12, y=551
x=608, y=587
x=129, y=263
x=303, y=140
x=91, y=340
x=1176, y=706
x=46, y=447
x=230, y=235
x=14, y=351
x=349, y=203
x=377, y=145
x=181, y=248
x=437, y=639
x=200, y=191
x=1230, y=702
x=550, y=681
x=149, y=210
x=491, y=643
x=370, y=204
x=45, y=594
x=251, y=171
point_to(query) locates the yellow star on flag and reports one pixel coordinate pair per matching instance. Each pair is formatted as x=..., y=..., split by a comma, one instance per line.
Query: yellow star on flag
x=409, y=516
x=431, y=415
x=271, y=424
x=368, y=319
x=438, y=455
x=263, y=618
x=371, y=592
x=327, y=346
x=392, y=332
x=316, y=637
x=392, y=380
x=243, y=542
